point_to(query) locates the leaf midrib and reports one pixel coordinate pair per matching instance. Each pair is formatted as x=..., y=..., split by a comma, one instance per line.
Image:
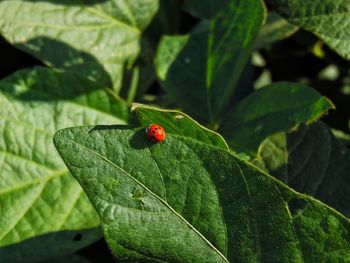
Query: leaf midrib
x=153, y=194
x=58, y=27
x=113, y=19
x=103, y=15
x=36, y=181
x=43, y=184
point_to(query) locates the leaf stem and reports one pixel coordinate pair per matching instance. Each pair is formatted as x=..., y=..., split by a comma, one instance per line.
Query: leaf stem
x=133, y=85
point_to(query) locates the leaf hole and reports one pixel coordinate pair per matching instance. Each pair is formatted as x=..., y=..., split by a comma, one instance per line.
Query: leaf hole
x=77, y=237
x=296, y=206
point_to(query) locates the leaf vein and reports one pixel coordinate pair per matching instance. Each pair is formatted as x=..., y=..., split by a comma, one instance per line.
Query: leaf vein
x=152, y=193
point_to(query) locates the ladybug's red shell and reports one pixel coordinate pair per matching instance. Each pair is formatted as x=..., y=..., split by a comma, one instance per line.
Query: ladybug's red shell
x=155, y=133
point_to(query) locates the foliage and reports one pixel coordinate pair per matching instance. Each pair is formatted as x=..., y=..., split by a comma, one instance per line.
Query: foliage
x=247, y=172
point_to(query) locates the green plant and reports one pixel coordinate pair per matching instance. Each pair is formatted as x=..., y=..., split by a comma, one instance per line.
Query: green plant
x=257, y=179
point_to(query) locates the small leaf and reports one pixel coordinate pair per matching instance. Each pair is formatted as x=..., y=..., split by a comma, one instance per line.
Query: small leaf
x=275, y=29
x=96, y=39
x=272, y=109
x=341, y=136
x=311, y=161
x=168, y=50
x=328, y=19
x=38, y=196
x=176, y=122
x=186, y=201
x=200, y=71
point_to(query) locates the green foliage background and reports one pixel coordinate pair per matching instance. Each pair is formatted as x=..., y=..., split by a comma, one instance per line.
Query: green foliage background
x=248, y=171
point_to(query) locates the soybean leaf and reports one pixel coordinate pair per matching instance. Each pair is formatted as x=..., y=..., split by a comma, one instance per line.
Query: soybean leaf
x=176, y=122
x=328, y=19
x=272, y=109
x=311, y=161
x=166, y=21
x=186, y=201
x=97, y=39
x=341, y=136
x=200, y=71
x=276, y=28
x=41, y=204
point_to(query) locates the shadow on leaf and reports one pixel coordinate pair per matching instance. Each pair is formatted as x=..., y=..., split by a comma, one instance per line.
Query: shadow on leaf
x=137, y=141
x=110, y=127
x=49, y=246
x=63, y=56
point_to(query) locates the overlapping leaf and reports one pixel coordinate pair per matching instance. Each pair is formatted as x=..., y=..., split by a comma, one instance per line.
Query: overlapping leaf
x=200, y=70
x=176, y=122
x=311, y=161
x=328, y=19
x=275, y=29
x=187, y=201
x=274, y=108
x=41, y=204
x=93, y=38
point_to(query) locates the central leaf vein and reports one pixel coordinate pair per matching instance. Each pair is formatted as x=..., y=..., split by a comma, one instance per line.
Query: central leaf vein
x=152, y=193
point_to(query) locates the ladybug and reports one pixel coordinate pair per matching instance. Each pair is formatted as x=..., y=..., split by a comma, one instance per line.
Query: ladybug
x=155, y=133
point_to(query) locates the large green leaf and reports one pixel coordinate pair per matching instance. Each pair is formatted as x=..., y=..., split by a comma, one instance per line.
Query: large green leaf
x=200, y=70
x=328, y=19
x=39, y=199
x=93, y=38
x=274, y=108
x=186, y=201
x=176, y=122
x=311, y=161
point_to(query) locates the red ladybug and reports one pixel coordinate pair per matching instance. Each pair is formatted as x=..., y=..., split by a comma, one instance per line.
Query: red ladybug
x=155, y=133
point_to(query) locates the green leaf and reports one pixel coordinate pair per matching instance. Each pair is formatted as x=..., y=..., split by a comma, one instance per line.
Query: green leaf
x=176, y=122
x=272, y=109
x=328, y=19
x=168, y=50
x=311, y=161
x=275, y=29
x=186, y=201
x=200, y=71
x=341, y=136
x=38, y=196
x=97, y=39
